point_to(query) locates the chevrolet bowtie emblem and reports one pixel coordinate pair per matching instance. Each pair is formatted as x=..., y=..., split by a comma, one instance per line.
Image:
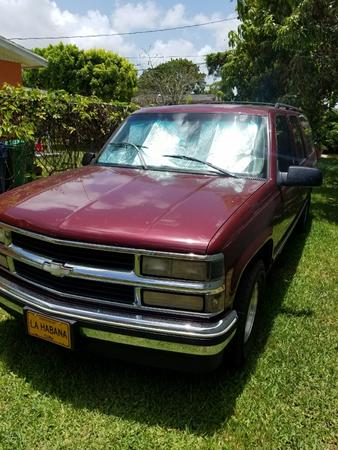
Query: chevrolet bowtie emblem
x=56, y=269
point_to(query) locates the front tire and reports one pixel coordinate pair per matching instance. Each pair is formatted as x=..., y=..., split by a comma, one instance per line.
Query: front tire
x=247, y=304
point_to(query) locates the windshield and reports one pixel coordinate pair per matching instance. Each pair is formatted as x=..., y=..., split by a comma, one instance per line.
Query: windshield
x=219, y=143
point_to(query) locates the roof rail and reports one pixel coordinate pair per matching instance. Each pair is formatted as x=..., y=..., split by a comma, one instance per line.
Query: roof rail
x=248, y=103
x=285, y=106
x=275, y=105
x=278, y=105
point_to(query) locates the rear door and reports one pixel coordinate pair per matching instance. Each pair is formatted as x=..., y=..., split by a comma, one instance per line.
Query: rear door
x=290, y=152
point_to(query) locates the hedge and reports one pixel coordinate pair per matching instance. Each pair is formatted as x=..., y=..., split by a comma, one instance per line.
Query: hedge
x=63, y=124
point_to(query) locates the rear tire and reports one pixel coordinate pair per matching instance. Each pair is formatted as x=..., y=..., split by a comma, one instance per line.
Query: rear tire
x=247, y=304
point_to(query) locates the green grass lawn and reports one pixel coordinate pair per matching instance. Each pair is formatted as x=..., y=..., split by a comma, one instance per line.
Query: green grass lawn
x=285, y=397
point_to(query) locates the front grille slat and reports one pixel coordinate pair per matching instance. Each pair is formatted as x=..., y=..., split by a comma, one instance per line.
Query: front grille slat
x=76, y=255
x=88, y=291
x=93, y=290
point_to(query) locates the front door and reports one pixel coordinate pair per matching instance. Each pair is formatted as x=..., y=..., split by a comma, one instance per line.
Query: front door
x=290, y=152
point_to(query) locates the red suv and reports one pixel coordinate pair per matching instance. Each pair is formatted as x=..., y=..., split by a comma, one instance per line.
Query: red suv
x=159, y=248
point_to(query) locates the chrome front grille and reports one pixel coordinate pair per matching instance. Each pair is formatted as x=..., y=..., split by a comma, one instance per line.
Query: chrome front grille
x=75, y=255
x=46, y=254
x=98, y=291
x=92, y=275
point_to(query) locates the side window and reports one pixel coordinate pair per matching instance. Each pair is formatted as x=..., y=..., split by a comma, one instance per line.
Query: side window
x=285, y=152
x=307, y=134
x=298, y=139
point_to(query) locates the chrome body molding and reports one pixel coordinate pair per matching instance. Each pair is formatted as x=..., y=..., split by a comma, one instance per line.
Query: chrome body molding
x=15, y=298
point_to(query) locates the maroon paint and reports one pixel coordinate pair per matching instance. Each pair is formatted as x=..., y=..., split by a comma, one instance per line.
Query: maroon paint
x=128, y=207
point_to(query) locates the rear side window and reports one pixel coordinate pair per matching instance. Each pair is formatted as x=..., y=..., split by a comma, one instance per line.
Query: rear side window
x=298, y=139
x=307, y=134
x=285, y=151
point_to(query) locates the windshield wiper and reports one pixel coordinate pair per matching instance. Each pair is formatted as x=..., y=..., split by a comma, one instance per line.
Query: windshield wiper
x=190, y=158
x=137, y=147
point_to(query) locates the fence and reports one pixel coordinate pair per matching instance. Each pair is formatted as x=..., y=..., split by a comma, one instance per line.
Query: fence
x=16, y=163
x=47, y=132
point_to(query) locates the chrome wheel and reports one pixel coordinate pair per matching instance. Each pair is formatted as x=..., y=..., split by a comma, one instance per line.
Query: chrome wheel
x=247, y=305
x=251, y=315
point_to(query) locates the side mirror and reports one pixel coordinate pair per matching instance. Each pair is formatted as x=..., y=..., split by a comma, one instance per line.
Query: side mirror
x=87, y=158
x=300, y=176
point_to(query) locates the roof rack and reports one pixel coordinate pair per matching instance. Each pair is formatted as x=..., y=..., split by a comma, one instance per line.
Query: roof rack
x=285, y=106
x=235, y=102
x=275, y=105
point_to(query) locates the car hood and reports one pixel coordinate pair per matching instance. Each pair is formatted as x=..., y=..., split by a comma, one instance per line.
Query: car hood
x=167, y=211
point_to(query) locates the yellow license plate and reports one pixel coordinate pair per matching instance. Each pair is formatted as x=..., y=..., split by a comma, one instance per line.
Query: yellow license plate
x=49, y=329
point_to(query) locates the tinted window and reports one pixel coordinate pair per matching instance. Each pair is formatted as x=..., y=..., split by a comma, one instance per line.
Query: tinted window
x=285, y=152
x=298, y=140
x=307, y=134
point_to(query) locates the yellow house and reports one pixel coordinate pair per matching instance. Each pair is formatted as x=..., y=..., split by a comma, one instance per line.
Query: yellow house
x=14, y=58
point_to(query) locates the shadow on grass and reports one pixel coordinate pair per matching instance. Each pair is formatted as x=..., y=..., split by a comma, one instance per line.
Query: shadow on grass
x=199, y=404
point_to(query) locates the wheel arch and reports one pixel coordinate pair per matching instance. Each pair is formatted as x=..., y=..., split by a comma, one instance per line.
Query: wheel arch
x=264, y=253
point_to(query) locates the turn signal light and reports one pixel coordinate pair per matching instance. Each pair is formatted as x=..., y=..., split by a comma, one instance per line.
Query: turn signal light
x=210, y=303
x=173, y=301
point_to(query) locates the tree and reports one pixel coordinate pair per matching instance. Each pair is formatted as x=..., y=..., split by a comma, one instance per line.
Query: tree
x=86, y=72
x=328, y=133
x=285, y=50
x=215, y=62
x=171, y=82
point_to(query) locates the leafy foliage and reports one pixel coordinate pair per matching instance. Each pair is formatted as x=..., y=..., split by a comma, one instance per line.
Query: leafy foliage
x=64, y=125
x=215, y=62
x=285, y=51
x=171, y=82
x=86, y=72
x=329, y=130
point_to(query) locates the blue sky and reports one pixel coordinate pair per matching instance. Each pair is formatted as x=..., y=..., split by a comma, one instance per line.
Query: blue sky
x=192, y=6
x=80, y=17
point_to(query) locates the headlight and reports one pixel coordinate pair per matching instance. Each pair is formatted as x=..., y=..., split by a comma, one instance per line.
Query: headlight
x=182, y=269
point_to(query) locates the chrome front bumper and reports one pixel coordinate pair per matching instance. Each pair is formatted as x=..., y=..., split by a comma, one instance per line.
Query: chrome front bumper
x=202, y=338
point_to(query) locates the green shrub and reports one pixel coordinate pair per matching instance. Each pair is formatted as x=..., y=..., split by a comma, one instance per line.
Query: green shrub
x=65, y=124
